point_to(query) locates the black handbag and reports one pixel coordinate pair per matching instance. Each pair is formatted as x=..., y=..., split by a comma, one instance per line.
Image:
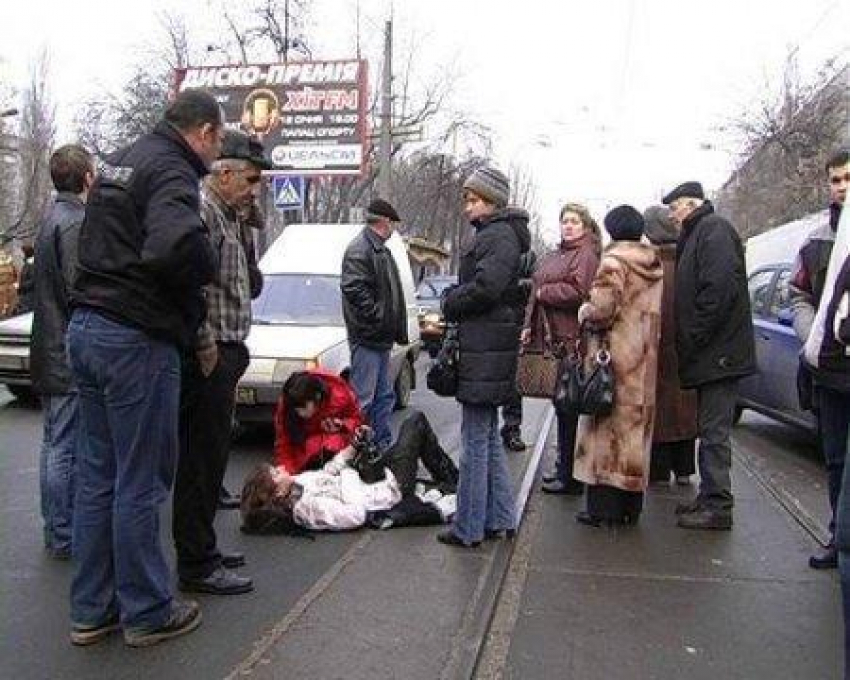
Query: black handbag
x=586, y=389
x=442, y=377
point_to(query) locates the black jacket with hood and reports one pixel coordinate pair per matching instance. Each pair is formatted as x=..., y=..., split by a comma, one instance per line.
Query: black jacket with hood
x=484, y=306
x=148, y=272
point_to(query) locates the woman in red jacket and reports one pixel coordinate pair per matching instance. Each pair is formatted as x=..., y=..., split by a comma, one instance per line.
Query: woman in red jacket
x=316, y=417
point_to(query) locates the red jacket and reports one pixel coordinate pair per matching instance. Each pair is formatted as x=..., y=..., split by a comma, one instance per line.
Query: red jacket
x=341, y=403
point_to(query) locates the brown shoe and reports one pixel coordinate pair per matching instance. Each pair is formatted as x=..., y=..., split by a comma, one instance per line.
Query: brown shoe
x=185, y=617
x=83, y=635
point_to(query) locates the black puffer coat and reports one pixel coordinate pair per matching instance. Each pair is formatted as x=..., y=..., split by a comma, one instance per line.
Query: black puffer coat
x=483, y=303
x=714, y=326
x=55, y=263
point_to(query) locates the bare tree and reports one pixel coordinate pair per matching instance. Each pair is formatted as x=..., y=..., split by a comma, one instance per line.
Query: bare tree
x=787, y=138
x=34, y=146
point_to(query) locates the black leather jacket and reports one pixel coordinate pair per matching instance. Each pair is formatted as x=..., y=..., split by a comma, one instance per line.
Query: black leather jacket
x=54, y=265
x=372, y=297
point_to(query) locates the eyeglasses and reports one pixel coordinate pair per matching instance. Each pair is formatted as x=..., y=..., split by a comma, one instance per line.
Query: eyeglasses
x=838, y=179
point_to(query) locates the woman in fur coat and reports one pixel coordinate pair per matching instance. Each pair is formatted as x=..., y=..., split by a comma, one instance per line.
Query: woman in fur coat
x=624, y=312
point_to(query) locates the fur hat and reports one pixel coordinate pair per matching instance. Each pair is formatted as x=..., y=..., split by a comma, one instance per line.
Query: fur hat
x=490, y=184
x=624, y=223
x=659, y=225
x=686, y=190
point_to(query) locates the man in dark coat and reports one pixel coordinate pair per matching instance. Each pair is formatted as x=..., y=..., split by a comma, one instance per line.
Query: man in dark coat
x=138, y=298
x=482, y=304
x=72, y=173
x=829, y=383
x=714, y=341
x=375, y=315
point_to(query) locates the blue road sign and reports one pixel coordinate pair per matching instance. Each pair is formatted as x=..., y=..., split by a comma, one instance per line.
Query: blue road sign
x=288, y=192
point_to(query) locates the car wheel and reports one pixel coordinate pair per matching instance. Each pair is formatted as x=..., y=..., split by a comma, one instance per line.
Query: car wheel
x=22, y=393
x=403, y=385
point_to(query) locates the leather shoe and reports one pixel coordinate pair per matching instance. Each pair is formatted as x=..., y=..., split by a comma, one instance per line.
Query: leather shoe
x=570, y=488
x=827, y=559
x=220, y=582
x=227, y=500
x=706, y=518
x=587, y=519
x=690, y=506
x=449, y=538
x=232, y=560
x=496, y=534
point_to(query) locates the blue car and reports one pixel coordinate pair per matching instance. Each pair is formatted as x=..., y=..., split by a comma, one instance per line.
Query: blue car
x=773, y=389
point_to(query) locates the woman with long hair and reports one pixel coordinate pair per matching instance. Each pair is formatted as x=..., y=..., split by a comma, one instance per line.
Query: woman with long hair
x=560, y=285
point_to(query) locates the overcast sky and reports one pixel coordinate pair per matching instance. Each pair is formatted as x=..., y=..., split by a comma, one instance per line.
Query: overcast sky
x=607, y=102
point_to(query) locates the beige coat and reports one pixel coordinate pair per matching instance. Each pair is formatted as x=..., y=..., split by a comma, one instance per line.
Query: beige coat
x=625, y=301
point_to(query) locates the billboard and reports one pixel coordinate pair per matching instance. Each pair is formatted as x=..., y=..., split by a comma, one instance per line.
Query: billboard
x=310, y=115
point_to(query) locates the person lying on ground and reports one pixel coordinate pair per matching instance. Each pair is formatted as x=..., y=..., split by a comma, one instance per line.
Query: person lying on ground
x=315, y=419
x=358, y=483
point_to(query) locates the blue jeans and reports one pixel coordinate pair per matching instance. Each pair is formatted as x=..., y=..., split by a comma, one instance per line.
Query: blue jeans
x=484, y=495
x=56, y=469
x=370, y=379
x=129, y=387
x=833, y=426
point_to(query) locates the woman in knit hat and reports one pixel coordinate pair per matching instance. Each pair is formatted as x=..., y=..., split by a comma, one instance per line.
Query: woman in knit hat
x=560, y=285
x=482, y=306
x=624, y=316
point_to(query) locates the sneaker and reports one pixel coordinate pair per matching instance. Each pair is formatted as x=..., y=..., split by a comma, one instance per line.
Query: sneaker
x=83, y=634
x=706, y=518
x=185, y=617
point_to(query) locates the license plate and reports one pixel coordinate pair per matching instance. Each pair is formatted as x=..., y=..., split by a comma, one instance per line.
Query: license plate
x=246, y=395
x=15, y=363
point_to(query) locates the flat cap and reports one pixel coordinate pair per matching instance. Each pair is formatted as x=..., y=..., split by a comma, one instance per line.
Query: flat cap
x=686, y=190
x=239, y=146
x=379, y=209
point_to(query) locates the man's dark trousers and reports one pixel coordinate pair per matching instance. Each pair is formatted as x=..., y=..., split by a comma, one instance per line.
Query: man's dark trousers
x=206, y=411
x=715, y=414
x=833, y=410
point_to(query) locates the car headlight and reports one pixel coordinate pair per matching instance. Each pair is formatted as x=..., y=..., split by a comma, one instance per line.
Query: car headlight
x=283, y=368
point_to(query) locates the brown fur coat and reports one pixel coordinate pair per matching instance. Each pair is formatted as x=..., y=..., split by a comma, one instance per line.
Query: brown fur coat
x=625, y=302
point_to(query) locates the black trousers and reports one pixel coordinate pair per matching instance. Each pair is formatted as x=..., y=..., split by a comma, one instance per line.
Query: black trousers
x=675, y=457
x=417, y=442
x=206, y=412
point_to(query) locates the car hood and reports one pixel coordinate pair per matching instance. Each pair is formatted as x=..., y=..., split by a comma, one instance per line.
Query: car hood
x=293, y=342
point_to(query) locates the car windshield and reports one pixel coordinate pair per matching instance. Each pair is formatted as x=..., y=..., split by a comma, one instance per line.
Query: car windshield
x=432, y=288
x=303, y=299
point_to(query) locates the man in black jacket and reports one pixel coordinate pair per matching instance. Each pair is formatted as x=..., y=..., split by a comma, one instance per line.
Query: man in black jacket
x=144, y=258
x=72, y=172
x=714, y=341
x=375, y=315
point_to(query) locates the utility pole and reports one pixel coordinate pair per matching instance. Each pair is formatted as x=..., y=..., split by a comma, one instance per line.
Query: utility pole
x=385, y=155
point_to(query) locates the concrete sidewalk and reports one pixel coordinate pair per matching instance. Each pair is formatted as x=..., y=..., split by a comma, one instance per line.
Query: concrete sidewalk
x=656, y=601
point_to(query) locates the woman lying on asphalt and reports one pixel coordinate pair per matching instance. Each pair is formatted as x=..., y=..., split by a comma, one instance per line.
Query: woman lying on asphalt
x=358, y=485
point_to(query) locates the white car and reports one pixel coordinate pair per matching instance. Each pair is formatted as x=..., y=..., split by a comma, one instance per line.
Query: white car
x=15, y=335
x=298, y=322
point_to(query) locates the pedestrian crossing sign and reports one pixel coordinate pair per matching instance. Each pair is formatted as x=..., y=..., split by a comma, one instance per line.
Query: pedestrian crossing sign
x=288, y=192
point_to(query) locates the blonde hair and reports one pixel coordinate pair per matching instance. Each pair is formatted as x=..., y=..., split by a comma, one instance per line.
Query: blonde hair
x=587, y=221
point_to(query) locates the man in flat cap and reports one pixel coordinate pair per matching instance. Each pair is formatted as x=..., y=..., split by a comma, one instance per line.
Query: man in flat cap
x=714, y=340
x=375, y=316
x=211, y=372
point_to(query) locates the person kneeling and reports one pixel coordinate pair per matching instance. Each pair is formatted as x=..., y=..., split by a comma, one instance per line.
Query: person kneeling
x=357, y=485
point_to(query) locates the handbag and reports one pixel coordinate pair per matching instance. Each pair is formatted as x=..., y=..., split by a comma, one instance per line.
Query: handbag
x=537, y=369
x=442, y=377
x=587, y=389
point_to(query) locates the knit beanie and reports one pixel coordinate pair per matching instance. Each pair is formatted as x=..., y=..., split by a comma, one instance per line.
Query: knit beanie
x=490, y=184
x=660, y=228
x=624, y=223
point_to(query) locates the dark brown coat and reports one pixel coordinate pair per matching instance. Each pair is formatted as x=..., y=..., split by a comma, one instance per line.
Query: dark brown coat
x=560, y=285
x=625, y=300
x=675, y=408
